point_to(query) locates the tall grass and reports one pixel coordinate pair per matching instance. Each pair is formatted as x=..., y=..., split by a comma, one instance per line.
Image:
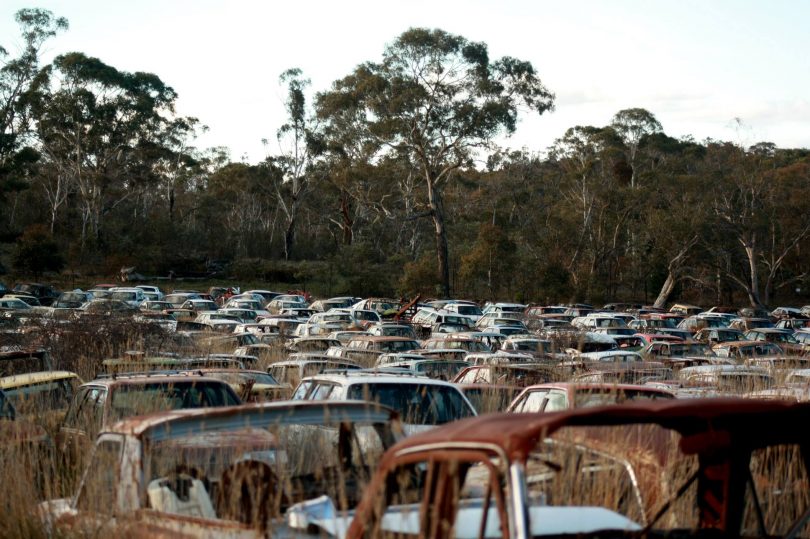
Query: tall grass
x=32, y=469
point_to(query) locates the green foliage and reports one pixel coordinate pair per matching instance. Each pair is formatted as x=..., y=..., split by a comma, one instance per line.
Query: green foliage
x=372, y=187
x=433, y=100
x=36, y=252
x=20, y=77
x=420, y=277
x=488, y=269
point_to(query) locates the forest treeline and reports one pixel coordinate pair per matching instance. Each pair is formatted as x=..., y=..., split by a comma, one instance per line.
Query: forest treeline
x=388, y=183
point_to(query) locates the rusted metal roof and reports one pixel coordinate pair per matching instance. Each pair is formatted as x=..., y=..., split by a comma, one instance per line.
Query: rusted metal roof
x=253, y=415
x=595, y=386
x=738, y=421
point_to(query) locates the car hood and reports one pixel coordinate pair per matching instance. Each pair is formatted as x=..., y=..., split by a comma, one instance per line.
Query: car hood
x=544, y=520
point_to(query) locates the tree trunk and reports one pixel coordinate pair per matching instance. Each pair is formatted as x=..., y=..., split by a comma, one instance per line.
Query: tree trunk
x=171, y=203
x=348, y=222
x=437, y=212
x=289, y=238
x=753, y=287
x=666, y=290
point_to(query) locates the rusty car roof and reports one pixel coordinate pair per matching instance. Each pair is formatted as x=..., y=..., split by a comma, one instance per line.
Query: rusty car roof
x=594, y=386
x=195, y=420
x=747, y=422
x=17, y=380
x=381, y=338
x=147, y=377
x=736, y=344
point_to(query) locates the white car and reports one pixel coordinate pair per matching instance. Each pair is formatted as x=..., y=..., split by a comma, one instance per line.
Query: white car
x=8, y=303
x=246, y=303
x=152, y=292
x=505, y=308
x=422, y=402
x=470, y=310
x=592, y=321
x=131, y=296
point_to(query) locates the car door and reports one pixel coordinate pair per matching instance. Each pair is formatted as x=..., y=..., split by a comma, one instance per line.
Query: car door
x=555, y=401
x=532, y=401
x=82, y=422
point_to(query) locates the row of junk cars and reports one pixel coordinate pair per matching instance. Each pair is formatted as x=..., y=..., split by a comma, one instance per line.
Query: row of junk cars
x=263, y=414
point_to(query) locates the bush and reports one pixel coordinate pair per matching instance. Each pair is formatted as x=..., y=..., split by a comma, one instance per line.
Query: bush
x=36, y=252
x=421, y=276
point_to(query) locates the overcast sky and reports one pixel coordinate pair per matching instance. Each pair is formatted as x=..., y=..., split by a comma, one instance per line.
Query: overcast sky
x=695, y=64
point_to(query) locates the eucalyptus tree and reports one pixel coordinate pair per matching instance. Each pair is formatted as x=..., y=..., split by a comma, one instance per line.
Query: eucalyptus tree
x=633, y=125
x=591, y=201
x=760, y=204
x=300, y=144
x=438, y=99
x=97, y=125
x=20, y=76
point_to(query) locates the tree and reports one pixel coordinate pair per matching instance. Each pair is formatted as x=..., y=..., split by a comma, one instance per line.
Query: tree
x=761, y=206
x=37, y=252
x=491, y=261
x=99, y=126
x=20, y=76
x=590, y=197
x=300, y=144
x=633, y=125
x=437, y=98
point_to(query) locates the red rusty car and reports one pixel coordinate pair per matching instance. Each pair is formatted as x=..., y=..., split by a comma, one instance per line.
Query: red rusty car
x=722, y=468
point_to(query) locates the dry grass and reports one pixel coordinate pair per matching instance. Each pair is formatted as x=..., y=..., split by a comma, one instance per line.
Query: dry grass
x=30, y=472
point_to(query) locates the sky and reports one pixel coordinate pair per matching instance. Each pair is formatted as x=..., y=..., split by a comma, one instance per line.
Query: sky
x=697, y=65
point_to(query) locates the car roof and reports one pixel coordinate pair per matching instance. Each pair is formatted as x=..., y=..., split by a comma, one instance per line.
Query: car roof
x=516, y=435
x=737, y=369
x=8, y=382
x=593, y=386
x=364, y=377
x=163, y=425
x=381, y=338
x=146, y=378
x=737, y=344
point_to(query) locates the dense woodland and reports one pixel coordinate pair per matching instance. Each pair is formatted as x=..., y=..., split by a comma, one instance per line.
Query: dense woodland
x=389, y=183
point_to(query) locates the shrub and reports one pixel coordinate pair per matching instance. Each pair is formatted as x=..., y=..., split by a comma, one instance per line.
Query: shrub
x=36, y=252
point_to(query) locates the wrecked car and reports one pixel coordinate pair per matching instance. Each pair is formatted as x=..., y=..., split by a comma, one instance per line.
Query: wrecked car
x=671, y=468
x=223, y=472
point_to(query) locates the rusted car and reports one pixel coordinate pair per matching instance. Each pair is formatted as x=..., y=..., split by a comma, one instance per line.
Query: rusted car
x=528, y=345
x=564, y=395
x=299, y=366
x=724, y=468
x=438, y=369
x=366, y=348
x=225, y=472
x=488, y=398
x=102, y=402
x=685, y=309
x=421, y=402
x=749, y=323
x=681, y=354
x=520, y=375
x=456, y=341
x=784, y=338
x=24, y=360
x=648, y=338
x=251, y=385
x=41, y=396
x=716, y=335
x=729, y=379
x=742, y=350
x=638, y=372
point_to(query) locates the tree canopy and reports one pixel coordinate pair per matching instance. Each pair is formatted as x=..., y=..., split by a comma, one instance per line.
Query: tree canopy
x=434, y=99
x=390, y=182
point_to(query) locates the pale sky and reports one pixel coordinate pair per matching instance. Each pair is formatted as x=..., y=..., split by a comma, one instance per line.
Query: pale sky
x=695, y=64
